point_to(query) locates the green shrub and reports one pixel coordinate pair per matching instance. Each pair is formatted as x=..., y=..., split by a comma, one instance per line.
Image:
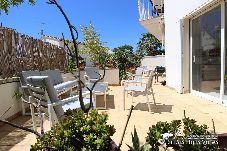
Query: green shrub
x=181, y=142
x=136, y=143
x=78, y=132
x=156, y=131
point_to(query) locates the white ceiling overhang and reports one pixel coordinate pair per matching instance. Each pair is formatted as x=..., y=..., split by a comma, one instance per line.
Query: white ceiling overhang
x=207, y=5
x=155, y=26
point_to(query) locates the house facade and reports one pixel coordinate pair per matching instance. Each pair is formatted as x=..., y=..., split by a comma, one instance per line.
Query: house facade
x=194, y=36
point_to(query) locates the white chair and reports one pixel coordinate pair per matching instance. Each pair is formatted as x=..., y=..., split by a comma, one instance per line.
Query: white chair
x=136, y=78
x=91, y=75
x=42, y=92
x=143, y=89
x=60, y=86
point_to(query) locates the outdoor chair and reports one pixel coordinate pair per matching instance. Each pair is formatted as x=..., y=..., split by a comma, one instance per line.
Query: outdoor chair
x=60, y=86
x=143, y=89
x=91, y=74
x=43, y=93
x=159, y=71
x=134, y=78
x=24, y=88
x=147, y=70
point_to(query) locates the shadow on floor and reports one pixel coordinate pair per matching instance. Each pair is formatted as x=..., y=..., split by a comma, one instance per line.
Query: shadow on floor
x=138, y=94
x=159, y=108
x=110, y=104
x=10, y=136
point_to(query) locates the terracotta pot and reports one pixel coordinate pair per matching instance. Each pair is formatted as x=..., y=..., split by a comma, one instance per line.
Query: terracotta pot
x=133, y=70
x=82, y=66
x=109, y=65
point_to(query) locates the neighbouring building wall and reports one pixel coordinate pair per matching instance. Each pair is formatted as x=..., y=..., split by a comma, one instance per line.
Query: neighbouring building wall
x=177, y=55
x=52, y=40
x=152, y=61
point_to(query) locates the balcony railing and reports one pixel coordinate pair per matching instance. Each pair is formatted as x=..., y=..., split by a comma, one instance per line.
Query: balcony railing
x=150, y=8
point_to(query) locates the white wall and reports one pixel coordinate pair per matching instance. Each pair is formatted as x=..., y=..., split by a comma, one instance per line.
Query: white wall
x=152, y=61
x=174, y=11
x=111, y=76
x=51, y=40
x=6, y=99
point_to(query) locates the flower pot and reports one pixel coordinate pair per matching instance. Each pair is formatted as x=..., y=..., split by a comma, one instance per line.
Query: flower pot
x=109, y=65
x=113, y=146
x=82, y=66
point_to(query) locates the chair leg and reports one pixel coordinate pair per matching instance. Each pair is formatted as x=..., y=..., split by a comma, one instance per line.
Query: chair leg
x=71, y=90
x=132, y=96
x=148, y=103
x=22, y=106
x=50, y=115
x=42, y=122
x=105, y=99
x=152, y=92
x=122, y=81
x=33, y=115
x=41, y=117
x=94, y=102
x=124, y=99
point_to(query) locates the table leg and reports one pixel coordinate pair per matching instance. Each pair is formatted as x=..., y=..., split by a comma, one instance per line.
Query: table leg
x=123, y=99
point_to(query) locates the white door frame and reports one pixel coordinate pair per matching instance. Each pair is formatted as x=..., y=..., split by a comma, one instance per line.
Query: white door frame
x=219, y=100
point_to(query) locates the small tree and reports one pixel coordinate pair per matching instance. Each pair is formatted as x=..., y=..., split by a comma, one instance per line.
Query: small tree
x=92, y=44
x=5, y=4
x=149, y=45
x=124, y=58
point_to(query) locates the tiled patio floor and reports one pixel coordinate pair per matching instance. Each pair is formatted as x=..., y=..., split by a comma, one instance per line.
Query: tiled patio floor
x=170, y=106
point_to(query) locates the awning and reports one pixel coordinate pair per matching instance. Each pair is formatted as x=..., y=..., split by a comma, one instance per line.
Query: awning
x=202, y=8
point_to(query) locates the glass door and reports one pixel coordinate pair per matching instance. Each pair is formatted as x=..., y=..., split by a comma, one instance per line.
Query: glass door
x=206, y=52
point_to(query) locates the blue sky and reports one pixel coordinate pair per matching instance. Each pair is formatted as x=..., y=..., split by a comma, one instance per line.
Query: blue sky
x=116, y=20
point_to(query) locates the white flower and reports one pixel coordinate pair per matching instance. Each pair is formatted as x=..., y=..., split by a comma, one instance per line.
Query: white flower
x=166, y=136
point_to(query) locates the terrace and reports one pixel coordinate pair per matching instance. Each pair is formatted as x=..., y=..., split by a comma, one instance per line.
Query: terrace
x=37, y=57
x=170, y=106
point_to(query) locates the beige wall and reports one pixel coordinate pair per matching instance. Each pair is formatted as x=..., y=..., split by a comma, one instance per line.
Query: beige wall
x=152, y=61
x=111, y=76
x=6, y=99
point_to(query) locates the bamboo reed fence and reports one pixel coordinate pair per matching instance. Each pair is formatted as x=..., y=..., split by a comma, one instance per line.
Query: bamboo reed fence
x=19, y=52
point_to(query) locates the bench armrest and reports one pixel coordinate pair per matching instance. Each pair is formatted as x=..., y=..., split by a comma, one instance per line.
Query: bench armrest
x=69, y=99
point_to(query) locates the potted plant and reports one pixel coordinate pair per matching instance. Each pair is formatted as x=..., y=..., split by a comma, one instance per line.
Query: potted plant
x=82, y=63
x=176, y=135
x=79, y=132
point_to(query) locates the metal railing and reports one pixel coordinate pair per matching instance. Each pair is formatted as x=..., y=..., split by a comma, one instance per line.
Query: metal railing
x=150, y=8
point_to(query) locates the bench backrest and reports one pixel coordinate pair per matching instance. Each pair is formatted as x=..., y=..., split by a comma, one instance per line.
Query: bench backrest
x=92, y=73
x=42, y=89
x=55, y=75
x=24, y=74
